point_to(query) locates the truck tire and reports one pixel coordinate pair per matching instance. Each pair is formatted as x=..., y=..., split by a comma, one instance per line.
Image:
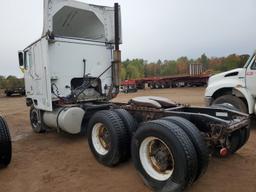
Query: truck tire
x=5, y=144
x=36, y=120
x=196, y=138
x=164, y=156
x=130, y=125
x=239, y=137
x=129, y=122
x=108, y=138
x=236, y=140
x=8, y=94
x=232, y=101
x=247, y=133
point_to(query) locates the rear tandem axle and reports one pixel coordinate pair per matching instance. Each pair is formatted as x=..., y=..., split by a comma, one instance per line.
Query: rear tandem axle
x=170, y=143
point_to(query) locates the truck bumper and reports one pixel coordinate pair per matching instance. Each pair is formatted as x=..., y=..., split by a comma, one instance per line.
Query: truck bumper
x=207, y=101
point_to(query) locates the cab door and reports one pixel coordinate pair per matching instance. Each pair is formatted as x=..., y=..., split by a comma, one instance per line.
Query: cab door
x=27, y=73
x=251, y=76
x=37, y=80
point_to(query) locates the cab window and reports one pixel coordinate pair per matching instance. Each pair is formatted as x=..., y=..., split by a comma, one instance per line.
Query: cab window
x=253, y=65
x=27, y=60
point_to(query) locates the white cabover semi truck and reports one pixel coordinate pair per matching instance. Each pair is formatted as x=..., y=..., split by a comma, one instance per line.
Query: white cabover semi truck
x=71, y=75
x=235, y=89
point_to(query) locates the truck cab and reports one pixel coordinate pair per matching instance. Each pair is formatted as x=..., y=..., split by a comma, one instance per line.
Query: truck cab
x=235, y=88
x=76, y=55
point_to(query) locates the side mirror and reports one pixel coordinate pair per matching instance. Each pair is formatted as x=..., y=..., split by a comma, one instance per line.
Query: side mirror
x=21, y=59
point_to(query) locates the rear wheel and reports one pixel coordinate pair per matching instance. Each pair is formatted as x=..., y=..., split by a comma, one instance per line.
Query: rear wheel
x=5, y=144
x=239, y=137
x=196, y=138
x=234, y=141
x=108, y=138
x=164, y=156
x=129, y=122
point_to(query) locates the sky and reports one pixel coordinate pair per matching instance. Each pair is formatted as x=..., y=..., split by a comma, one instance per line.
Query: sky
x=152, y=30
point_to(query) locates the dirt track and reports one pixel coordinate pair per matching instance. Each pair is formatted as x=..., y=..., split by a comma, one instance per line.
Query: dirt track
x=58, y=162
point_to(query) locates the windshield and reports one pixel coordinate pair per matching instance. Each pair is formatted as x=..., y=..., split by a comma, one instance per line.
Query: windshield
x=252, y=57
x=78, y=23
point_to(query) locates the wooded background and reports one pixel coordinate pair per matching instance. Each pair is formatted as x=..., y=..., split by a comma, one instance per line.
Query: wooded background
x=137, y=68
x=11, y=82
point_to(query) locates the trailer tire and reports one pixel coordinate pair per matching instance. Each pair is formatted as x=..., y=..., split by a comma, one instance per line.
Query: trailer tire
x=5, y=144
x=177, y=148
x=108, y=138
x=196, y=138
x=233, y=101
x=36, y=120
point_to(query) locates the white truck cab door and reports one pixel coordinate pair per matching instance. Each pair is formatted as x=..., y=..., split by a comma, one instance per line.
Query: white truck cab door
x=36, y=75
x=251, y=76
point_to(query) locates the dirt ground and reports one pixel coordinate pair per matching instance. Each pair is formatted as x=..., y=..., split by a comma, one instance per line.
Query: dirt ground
x=59, y=162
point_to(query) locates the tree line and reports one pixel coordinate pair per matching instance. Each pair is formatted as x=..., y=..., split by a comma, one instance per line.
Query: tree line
x=138, y=68
x=11, y=82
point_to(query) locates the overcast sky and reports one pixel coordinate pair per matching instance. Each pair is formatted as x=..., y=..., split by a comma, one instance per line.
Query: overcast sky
x=152, y=30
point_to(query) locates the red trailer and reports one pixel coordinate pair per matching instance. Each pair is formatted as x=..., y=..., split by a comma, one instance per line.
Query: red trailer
x=172, y=81
x=128, y=86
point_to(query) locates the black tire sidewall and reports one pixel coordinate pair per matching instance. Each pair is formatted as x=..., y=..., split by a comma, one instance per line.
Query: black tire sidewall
x=196, y=138
x=233, y=100
x=178, y=155
x=5, y=144
x=40, y=128
x=113, y=155
x=129, y=122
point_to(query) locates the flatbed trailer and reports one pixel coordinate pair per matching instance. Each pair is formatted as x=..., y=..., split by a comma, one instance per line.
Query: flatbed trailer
x=128, y=86
x=71, y=77
x=172, y=81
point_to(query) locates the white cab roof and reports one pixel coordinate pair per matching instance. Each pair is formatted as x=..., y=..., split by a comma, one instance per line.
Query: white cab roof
x=73, y=19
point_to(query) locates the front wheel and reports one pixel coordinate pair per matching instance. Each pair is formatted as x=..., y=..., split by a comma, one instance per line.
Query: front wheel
x=36, y=120
x=231, y=102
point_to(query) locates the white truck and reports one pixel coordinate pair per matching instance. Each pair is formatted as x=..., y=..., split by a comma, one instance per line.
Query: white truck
x=71, y=75
x=235, y=89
